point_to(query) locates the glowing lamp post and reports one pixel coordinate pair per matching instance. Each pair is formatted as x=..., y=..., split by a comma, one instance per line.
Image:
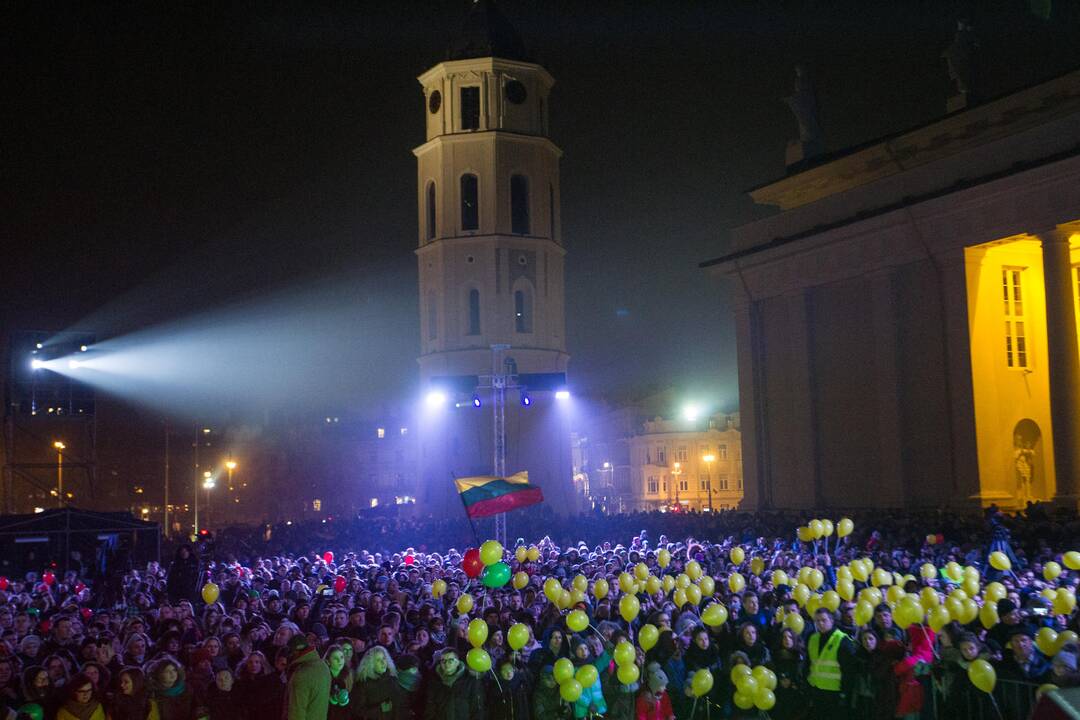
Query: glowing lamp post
x=60, y=447
x=230, y=465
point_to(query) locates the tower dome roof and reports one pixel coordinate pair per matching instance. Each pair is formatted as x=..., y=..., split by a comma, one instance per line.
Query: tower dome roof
x=486, y=33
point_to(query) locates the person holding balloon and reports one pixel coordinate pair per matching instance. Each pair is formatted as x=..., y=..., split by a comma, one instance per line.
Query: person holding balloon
x=547, y=703
x=586, y=682
x=456, y=692
x=509, y=697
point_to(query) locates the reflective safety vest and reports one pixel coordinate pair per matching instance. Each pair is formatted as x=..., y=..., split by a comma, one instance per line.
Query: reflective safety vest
x=824, y=666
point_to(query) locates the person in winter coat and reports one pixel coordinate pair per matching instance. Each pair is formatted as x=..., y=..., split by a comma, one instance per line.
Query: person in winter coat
x=132, y=699
x=260, y=690
x=547, y=704
x=654, y=702
x=508, y=699
x=307, y=693
x=183, y=578
x=920, y=655
x=408, y=677
x=456, y=692
x=376, y=694
x=667, y=653
x=169, y=689
x=341, y=683
x=751, y=643
x=553, y=646
x=591, y=701
x=222, y=701
x=787, y=662
x=703, y=654
x=621, y=699
x=37, y=688
x=81, y=702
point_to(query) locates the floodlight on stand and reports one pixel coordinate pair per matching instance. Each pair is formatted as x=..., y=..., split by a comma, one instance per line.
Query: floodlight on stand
x=37, y=364
x=435, y=399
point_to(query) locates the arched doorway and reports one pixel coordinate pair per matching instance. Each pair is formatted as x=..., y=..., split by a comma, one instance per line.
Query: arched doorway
x=1029, y=471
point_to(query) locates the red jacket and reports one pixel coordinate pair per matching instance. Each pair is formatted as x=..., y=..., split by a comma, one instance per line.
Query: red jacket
x=921, y=644
x=654, y=710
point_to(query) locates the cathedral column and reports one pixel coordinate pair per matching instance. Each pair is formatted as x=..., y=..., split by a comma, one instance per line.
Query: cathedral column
x=892, y=491
x=755, y=493
x=1063, y=361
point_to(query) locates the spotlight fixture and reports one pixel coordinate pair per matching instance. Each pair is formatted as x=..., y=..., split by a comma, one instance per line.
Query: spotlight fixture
x=526, y=400
x=37, y=364
x=476, y=400
x=562, y=395
x=435, y=399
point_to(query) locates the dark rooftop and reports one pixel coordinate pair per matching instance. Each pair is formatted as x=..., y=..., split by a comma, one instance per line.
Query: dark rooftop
x=486, y=33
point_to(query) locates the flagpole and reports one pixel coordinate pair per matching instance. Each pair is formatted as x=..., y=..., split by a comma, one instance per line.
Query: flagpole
x=476, y=536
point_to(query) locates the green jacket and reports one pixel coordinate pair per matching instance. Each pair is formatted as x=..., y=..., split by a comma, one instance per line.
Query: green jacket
x=307, y=695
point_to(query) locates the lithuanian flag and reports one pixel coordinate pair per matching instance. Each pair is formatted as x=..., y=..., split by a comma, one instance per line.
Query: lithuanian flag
x=487, y=495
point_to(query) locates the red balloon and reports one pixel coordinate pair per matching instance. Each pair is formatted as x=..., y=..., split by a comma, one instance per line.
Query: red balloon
x=940, y=538
x=328, y=557
x=48, y=577
x=86, y=613
x=4, y=584
x=409, y=559
x=471, y=563
x=79, y=587
x=339, y=584
x=45, y=626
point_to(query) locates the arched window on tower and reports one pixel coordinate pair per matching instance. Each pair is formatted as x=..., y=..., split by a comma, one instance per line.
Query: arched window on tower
x=474, y=312
x=519, y=205
x=523, y=311
x=430, y=214
x=470, y=206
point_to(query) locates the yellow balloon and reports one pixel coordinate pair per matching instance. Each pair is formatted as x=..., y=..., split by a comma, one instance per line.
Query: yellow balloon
x=747, y=684
x=779, y=577
x=586, y=675
x=715, y=615
x=580, y=582
x=667, y=583
x=971, y=611
x=210, y=593
x=1051, y=570
x=893, y=594
x=518, y=636
x=693, y=594
x=794, y=622
x=624, y=653
x=954, y=571
x=491, y=552
x=1064, y=638
x=600, y=589
x=988, y=615
x=971, y=586
x=647, y=636
x=846, y=589
x=479, y=660
x=565, y=600
x=629, y=607
x=652, y=585
x=1072, y=560
x=552, y=588
x=693, y=569
x=764, y=699
x=707, y=585
x=521, y=579
x=563, y=670
x=994, y=591
x=909, y=611
x=1043, y=689
x=478, y=632
x=971, y=572
x=816, y=579
x=928, y=571
x=859, y=570
x=1046, y=641
x=701, y=683
x=521, y=554
x=576, y=596
x=743, y=701
x=757, y=565
x=817, y=528
x=864, y=612
x=831, y=600
x=738, y=672
x=570, y=690
x=929, y=598
x=438, y=588
x=737, y=555
x=939, y=618
x=626, y=582
x=678, y=597
x=844, y=573
x=534, y=553
x=844, y=527
x=982, y=675
x=827, y=528
x=628, y=674
x=641, y=571
x=464, y=603
x=812, y=604
x=872, y=595
x=736, y=582
x=663, y=558
x=801, y=593
x=1064, y=601
x=882, y=577
x=577, y=620
x=955, y=606
x=806, y=534
x=766, y=678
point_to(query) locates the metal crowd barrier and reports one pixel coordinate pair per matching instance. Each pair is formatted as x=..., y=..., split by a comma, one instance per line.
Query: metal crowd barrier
x=1011, y=700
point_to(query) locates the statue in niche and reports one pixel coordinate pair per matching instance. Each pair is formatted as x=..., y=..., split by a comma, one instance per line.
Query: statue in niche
x=959, y=57
x=1026, y=436
x=804, y=106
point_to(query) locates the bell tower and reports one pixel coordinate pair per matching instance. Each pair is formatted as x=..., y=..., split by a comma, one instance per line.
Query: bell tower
x=490, y=258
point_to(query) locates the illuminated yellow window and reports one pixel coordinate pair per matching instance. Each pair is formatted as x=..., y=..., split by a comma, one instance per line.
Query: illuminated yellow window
x=723, y=452
x=316, y=505
x=721, y=482
x=1012, y=295
x=684, y=484
x=653, y=486
x=704, y=482
x=381, y=432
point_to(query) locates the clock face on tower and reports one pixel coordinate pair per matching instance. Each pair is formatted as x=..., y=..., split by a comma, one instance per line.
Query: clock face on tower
x=515, y=92
x=434, y=101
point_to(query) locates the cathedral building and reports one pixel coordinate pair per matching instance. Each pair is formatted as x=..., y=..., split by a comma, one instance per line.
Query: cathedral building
x=490, y=261
x=906, y=323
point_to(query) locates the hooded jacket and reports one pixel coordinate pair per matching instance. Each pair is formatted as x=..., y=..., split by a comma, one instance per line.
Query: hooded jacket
x=307, y=694
x=921, y=644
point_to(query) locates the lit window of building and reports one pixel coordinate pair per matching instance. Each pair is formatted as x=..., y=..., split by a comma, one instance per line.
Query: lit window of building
x=374, y=502
x=316, y=505
x=1016, y=354
x=654, y=486
x=381, y=432
x=723, y=452
x=404, y=431
x=721, y=482
x=684, y=485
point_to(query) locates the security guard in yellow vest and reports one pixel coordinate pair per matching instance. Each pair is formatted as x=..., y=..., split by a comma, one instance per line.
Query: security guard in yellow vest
x=828, y=651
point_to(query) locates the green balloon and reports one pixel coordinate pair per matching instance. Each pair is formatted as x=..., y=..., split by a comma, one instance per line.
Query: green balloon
x=32, y=710
x=496, y=575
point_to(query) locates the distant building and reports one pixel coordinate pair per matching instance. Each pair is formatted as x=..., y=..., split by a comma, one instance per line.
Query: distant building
x=688, y=465
x=907, y=323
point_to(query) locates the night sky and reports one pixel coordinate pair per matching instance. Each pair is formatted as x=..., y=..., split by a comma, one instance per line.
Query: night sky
x=167, y=158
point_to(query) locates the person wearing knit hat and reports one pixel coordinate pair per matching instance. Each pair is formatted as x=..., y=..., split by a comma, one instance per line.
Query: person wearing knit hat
x=654, y=703
x=1009, y=619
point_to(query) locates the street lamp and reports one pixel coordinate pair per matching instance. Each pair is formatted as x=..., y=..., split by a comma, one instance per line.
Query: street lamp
x=60, y=447
x=709, y=460
x=230, y=465
x=676, y=471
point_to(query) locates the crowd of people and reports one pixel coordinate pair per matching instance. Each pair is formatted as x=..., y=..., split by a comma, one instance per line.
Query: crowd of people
x=906, y=615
